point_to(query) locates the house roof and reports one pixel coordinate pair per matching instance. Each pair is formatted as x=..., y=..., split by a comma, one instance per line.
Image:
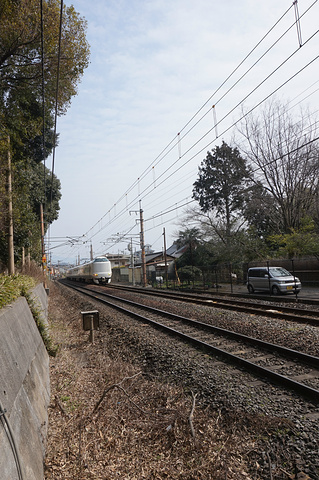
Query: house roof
x=176, y=252
x=156, y=258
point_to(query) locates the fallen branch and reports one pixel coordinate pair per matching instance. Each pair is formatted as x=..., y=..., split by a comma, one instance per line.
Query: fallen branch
x=58, y=404
x=117, y=385
x=190, y=419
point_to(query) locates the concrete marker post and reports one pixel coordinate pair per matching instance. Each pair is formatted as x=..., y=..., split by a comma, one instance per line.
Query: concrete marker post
x=91, y=322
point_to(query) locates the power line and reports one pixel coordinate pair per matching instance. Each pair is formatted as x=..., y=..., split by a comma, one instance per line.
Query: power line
x=169, y=146
x=164, y=175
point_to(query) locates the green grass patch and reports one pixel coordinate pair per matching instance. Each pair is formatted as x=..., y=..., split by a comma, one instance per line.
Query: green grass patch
x=15, y=286
x=12, y=286
x=42, y=326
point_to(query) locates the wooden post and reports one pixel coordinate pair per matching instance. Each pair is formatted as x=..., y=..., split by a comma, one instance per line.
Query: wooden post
x=90, y=322
x=92, y=330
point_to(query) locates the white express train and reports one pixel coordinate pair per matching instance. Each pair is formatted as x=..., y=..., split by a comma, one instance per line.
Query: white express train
x=97, y=271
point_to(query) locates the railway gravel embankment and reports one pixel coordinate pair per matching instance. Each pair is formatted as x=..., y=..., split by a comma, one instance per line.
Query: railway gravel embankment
x=139, y=404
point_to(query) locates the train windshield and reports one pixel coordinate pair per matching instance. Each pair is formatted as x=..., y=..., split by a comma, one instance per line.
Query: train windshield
x=99, y=260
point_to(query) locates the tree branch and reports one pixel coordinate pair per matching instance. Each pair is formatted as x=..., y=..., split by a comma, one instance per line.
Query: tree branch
x=190, y=418
x=117, y=385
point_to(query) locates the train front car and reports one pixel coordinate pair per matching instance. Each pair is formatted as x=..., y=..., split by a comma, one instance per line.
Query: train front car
x=101, y=270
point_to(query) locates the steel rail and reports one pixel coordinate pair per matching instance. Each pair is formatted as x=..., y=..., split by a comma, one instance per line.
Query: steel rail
x=277, y=378
x=295, y=354
x=220, y=294
x=297, y=315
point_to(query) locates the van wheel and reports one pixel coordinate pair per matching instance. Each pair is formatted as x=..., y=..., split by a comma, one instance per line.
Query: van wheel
x=275, y=290
x=250, y=288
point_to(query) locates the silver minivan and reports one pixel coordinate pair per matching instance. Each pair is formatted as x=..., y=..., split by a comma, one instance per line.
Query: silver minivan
x=274, y=279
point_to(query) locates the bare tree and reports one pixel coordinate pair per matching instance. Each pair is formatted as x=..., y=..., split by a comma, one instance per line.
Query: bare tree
x=284, y=155
x=215, y=237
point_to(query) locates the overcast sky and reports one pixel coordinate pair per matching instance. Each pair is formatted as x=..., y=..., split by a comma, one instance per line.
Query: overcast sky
x=130, y=138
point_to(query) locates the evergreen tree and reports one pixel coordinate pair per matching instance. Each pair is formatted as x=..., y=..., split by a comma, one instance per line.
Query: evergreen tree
x=22, y=106
x=223, y=186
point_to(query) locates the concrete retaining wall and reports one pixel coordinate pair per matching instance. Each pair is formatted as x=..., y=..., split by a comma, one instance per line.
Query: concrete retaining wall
x=24, y=390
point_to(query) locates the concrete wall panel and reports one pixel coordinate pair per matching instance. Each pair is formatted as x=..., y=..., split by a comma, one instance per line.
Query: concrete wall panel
x=24, y=390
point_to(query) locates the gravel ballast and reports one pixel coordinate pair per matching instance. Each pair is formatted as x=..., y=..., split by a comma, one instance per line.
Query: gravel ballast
x=272, y=434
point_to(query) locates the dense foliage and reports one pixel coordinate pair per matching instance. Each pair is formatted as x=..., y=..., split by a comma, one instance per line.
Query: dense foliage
x=29, y=100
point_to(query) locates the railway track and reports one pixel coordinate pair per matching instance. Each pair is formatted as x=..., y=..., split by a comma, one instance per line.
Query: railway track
x=293, y=314
x=291, y=369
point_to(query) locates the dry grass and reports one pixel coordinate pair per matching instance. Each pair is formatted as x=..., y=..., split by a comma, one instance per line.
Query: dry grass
x=109, y=421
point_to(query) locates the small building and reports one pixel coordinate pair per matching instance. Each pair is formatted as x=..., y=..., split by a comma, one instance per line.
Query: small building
x=119, y=260
x=156, y=266
x=122, y=270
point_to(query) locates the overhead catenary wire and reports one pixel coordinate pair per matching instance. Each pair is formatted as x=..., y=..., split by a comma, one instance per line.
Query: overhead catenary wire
x=162, y=176
x=238, y=66
x=172, y=144
x=243, y=116
x=236, y=122
x=236, y=106
x=163, y=213
x=178, y=206
x=292, y=106
x=179, y=138
x=227, y=129
x=79, y=241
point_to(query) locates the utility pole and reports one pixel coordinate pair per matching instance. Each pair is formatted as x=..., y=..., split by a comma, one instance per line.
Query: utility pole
x=42, y=233
x=23, y=258
x=44, y=260
x=10, y=215
x=165, y=258
x=143, y=246
x=132, y=263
